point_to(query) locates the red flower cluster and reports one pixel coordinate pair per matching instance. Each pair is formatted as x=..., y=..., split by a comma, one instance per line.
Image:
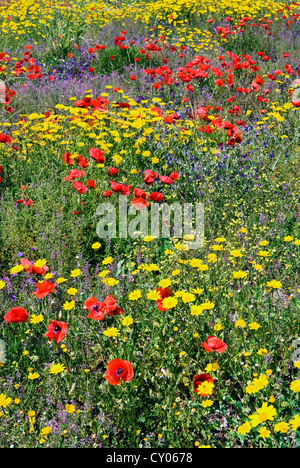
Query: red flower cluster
x=100, y=103
x=99, y=309
x=30, y=268
x=25, y=202
x=97, y=155
x=140, y=198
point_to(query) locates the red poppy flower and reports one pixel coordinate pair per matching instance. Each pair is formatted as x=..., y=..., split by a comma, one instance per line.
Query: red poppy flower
x=99, y=309
x=97, y=155
x=156, y=110
x=139, y=193
x=111, y=307
x=121, y=188
x=214, y=344
x=164, y=292
x=189, y=87
x=174, y=175
x=5, y=138
x=139, y=203
x=25, y=202
x=74, y=174
x=227, y=125
x=81, y=188
x=199, y=379
x=150, y=176
x=82, y=162
x=117, y=370
x=107, y=193
x=67, y=158
x=96, y=308
x=115, y=186
x=168, y=118
x=56, y=330
x=43, y=289
x=110, y=303
x=112, y=171
x=126, y=190
x=30, y=268
x=166, y=180
x=32, y=76
x=91, y=183
x=156, y=196
x=123, y=105
x=16, y=315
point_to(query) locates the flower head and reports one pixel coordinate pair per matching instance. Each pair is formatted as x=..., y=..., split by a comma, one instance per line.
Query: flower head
x=57, y=331
x=203, y=384
x=111, y=332
x=265, y=413
x=56, y=369
x=43, y=289
x=117, y=370
x=36, y=318
x=274, y=284
x=4, y=401
x=214, y=344
x=16, y=315
x=244, y=428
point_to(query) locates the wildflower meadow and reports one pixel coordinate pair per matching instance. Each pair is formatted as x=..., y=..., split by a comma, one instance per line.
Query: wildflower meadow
x=150, y=224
